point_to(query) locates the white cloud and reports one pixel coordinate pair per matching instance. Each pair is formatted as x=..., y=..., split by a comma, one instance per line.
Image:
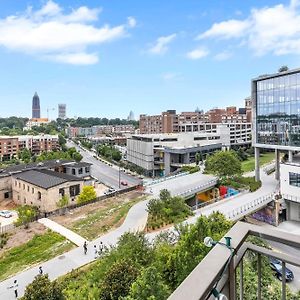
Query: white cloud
x=131, y=22
x=223, y=55
x=226, y=29
x=197, y=53
x=75, y=58
x=171, y=76
x=274, y=29
x=162, y=44
x=58, y=36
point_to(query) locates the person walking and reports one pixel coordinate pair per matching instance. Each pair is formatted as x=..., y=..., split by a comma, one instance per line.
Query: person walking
x=85, y=247
x=41, y=270
x=15, y=287
x=96, y=251
x=101, y=248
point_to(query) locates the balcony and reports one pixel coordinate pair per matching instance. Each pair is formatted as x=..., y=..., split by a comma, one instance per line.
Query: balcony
x=221, y=270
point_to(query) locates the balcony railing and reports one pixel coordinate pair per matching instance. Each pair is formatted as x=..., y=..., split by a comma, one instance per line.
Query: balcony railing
x=212, y=273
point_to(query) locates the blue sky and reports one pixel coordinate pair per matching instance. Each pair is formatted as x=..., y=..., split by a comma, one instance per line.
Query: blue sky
x=105, y=58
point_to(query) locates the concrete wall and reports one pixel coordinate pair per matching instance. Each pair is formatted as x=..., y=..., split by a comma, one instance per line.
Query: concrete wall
x=5, y=186
x=26, y=193
x=84, y=172
x=285, y=187
x=293, y=211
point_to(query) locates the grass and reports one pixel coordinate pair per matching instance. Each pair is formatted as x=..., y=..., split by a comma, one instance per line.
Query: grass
x=101, y=221
x=40, y=248
x=249, y=164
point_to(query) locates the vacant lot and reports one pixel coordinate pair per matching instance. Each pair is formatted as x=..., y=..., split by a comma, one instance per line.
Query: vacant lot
x=39, y=248
x=93, y=220
x=249, y=164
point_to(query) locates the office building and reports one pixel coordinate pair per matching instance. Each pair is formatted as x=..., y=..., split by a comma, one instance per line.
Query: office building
x=62, y=108
x=130, y=116
x=276, y=126
x=36, y=110
x=162, y=154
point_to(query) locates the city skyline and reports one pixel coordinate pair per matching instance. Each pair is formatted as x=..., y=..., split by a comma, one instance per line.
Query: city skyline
x=126, y=57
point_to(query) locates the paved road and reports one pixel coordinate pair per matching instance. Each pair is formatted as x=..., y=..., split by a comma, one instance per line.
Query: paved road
x=294, y=228
x=135, y=221
x=106, y=174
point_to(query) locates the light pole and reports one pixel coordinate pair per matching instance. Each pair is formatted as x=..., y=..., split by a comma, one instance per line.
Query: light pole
x=119, y=177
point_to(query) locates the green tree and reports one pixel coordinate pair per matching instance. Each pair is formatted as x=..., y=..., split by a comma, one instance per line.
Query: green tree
x=149, y=286
x=77, y=156
x=26, y=214
x=118, y=280
x=87, y=194
x=43, y=289
x=63, y=203
x=25, y=155
x=198, y=158
x=223, y=164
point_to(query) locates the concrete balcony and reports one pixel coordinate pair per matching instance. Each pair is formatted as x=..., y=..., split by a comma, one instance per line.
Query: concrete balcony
x=219, y=268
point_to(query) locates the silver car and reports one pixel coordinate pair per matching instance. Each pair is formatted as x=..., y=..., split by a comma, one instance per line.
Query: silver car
x=6, y=214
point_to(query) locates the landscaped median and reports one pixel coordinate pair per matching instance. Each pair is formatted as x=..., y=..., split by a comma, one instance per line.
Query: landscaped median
x=40, y=248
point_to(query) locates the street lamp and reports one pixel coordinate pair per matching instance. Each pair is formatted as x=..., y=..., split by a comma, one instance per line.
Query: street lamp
x=119, y=177
x=209, y=242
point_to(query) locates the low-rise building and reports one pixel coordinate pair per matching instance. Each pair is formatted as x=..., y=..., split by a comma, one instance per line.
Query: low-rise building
x=162, y=154
x=44, y=188
x=36, y=122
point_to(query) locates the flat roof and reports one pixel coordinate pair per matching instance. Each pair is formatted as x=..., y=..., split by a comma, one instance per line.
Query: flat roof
x=278, y=74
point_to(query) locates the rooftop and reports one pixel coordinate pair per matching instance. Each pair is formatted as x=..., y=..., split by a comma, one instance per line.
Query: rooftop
x=45, y=178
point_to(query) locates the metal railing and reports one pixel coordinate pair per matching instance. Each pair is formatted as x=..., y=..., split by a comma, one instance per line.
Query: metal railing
x=165, y=179
x=212, y=272
x=245, y=209
x=291, y=198
x=198, y=188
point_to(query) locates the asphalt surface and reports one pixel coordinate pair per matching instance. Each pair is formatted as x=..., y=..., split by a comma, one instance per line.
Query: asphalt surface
x=104, y=173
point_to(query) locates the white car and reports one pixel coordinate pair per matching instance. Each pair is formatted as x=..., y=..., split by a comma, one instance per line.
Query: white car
x=6, y=214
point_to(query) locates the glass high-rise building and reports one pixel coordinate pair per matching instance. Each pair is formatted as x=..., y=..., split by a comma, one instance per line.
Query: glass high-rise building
x=36, y=110
x=276, y=110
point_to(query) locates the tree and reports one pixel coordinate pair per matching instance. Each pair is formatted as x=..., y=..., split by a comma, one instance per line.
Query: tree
x=149, y=286
x=43, y=289
x=25, y=155
x=198, y=158
x=77, y=156
x=223, y=164
x=26, y=214
x=88, y=193
x=63, y=203
x=118, y=280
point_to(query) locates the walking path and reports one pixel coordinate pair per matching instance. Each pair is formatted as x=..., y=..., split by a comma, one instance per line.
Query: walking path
x=67, y=233
x=135, y=221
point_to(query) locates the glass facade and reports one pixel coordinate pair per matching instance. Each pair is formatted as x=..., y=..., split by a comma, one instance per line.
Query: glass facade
x=278, y=110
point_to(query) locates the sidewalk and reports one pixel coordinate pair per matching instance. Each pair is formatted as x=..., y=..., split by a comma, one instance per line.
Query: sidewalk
x=67, y=233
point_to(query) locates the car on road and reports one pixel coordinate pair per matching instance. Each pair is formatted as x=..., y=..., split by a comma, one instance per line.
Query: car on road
x=125, y=183
x=109, y=191
x=6, y=214
x=276, y=266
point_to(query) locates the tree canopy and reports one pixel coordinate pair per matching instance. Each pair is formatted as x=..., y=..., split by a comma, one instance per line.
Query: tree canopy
x=223, y=164
x=87, y=194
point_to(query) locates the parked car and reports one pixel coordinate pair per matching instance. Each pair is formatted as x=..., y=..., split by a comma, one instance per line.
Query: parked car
x=125, y=183
x=276, y=266
x=109, y=191
x=6, y=214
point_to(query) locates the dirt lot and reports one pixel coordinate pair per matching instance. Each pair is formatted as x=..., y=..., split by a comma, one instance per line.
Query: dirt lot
x=21, y=236
x=92, y=220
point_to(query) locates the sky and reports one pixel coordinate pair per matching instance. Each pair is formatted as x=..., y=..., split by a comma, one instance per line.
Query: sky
x=105, y=58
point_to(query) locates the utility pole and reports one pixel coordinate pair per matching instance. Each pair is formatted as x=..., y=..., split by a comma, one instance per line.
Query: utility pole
x=119, y=177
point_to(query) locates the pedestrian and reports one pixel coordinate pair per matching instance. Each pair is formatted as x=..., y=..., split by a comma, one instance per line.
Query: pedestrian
x=101, y=248
x=96, y=251
x=85, y=247
x=15, y=287
x=40, y=270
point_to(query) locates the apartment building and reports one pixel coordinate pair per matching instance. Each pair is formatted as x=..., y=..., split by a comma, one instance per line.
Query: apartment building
x=162, y=154
x=171, y=122
x=10, y=145
x=276, y=126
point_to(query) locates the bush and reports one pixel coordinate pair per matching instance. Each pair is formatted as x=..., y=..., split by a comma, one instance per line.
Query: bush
x=88, y=193
x=190, y=169
x=240, y=182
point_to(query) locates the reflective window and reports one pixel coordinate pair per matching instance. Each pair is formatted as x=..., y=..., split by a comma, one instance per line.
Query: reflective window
x=294, y=179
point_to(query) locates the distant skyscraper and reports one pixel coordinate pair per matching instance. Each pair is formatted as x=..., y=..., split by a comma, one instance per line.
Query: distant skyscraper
x=62, y=111
x=130, y=116
x=36, y=110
